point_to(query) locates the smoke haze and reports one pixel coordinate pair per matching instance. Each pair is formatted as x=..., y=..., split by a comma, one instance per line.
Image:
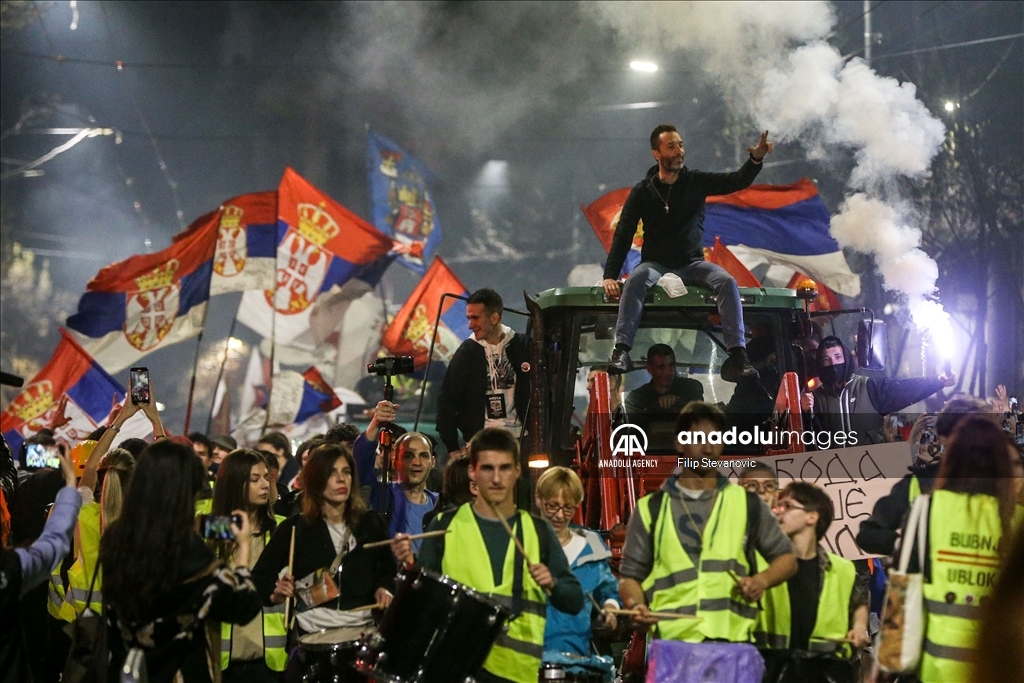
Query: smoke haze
x=775, y=68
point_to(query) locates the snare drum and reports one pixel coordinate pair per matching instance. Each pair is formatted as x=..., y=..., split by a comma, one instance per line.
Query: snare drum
x=435, y=630
x=328, y=656
x=571, y=668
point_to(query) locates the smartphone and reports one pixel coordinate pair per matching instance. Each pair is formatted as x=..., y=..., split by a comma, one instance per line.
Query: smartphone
x=218, y=527
x=39, y=455
x=139, y=378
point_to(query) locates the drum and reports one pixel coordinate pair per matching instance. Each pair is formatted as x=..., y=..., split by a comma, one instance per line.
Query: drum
x=572, y=668
x=435, y=630
x=327, y=656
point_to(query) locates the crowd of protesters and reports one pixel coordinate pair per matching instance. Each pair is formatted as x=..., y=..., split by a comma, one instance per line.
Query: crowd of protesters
x=202, y=609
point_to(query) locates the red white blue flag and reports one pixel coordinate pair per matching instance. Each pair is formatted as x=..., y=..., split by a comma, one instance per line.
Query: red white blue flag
x=786, y=225
x=782, y=225
x=148, y=301
x=246, y=254
x=70, y=373
x=297, y=397
x=603, y=216
x=402, y=206
x=411, y=331
x=321, y=244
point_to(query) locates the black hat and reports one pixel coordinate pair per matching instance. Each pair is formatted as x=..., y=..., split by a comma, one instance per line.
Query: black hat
x=225, y=441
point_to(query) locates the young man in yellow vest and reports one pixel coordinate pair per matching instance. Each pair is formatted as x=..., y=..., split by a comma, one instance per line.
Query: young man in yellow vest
x=478, y=552
x=690, y=546
x=824, y=604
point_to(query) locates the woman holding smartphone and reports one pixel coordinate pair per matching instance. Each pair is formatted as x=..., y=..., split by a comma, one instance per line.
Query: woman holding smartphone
x=332, y=572
x=254, y=651
x=160, y=582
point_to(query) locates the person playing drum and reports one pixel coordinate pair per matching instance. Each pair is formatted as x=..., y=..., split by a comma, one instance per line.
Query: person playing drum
x=332, y=573
x=689, y=547
x=478, y=552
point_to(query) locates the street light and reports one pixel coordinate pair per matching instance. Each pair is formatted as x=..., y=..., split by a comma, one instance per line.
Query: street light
x=640, y=65
x=951, y=105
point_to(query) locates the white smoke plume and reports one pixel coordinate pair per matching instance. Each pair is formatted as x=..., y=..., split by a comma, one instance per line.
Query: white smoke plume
x=774, y=66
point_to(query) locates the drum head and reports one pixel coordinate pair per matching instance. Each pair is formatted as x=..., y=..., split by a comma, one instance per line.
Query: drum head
x=333, y=636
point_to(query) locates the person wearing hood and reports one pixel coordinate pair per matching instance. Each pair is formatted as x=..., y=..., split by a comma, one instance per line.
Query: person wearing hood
x=487, y=382
x=855, y=404
x=670, y=203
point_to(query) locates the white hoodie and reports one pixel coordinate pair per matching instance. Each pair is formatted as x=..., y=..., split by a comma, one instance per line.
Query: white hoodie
x=501, y=383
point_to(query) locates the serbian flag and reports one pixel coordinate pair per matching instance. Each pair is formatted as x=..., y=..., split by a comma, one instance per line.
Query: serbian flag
x=412, y=329
x=785, y=225
x=827, y=299
x=246, y=254
x=297, y=397
x=400, y=199
x=320, y=244
x=71, y=372
x=148, y=301
x=721, y=256
x=603, y=216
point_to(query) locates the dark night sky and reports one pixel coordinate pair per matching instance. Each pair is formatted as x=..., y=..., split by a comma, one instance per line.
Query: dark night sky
x=232, y=92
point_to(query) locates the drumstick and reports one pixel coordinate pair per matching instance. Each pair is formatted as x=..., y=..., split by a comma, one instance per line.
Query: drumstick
x=735, y=577
x=375, y=605
x=413, y=537
x=594, y=602
x=291, y=561
x=656, y=615
x=512, y=535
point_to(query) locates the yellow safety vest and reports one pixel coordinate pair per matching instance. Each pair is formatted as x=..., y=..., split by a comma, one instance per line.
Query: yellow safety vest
x=915, y=489
x=774, y=623
x=204, y=506
x=275, y=631
x=87, y=551
x=675, y=585
x=516, y=654
x=964, y=533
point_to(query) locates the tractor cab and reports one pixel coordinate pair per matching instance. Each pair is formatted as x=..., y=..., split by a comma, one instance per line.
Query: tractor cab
x=619, y=431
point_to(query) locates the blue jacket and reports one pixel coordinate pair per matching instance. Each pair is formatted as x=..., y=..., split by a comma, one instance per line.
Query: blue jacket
x=570, y=633
x=389, y=500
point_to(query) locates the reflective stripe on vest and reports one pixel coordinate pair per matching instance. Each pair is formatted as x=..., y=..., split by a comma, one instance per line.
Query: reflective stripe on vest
x=774, y=625
x=675, y=585
x=516, y=654
x=58, y=604
x=964, y=532
x=915, y=489
x=275, y=633
x=87, y=551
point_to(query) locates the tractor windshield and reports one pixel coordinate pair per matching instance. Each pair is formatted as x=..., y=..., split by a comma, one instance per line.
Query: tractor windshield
x=677, y=361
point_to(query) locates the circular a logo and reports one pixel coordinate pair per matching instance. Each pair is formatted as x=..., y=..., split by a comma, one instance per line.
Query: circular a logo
x=628, y=440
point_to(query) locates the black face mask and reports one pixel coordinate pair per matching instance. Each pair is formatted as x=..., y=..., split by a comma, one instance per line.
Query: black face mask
x=833, y=374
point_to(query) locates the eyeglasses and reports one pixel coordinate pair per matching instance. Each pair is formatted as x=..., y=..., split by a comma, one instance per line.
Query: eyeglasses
x=786, y=506
x=767, y=486
x=567, y=510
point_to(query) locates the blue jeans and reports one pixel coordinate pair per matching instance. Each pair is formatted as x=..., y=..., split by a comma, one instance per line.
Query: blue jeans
x=647, y=274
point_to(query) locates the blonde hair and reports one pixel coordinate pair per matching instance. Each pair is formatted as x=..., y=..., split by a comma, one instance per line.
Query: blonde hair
x=560, y=480
x=120, y=465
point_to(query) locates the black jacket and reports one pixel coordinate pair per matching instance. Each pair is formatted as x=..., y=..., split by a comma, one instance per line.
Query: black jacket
x=362, y=571
x=462, y=403
x=861, y=402
x=879, y=532
x=674, y=239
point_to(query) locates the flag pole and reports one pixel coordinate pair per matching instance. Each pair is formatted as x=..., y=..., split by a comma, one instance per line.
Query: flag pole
x=192, y=384
x=430, y=355
x=273, y=315
x=199, y=338
x=220, y=373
